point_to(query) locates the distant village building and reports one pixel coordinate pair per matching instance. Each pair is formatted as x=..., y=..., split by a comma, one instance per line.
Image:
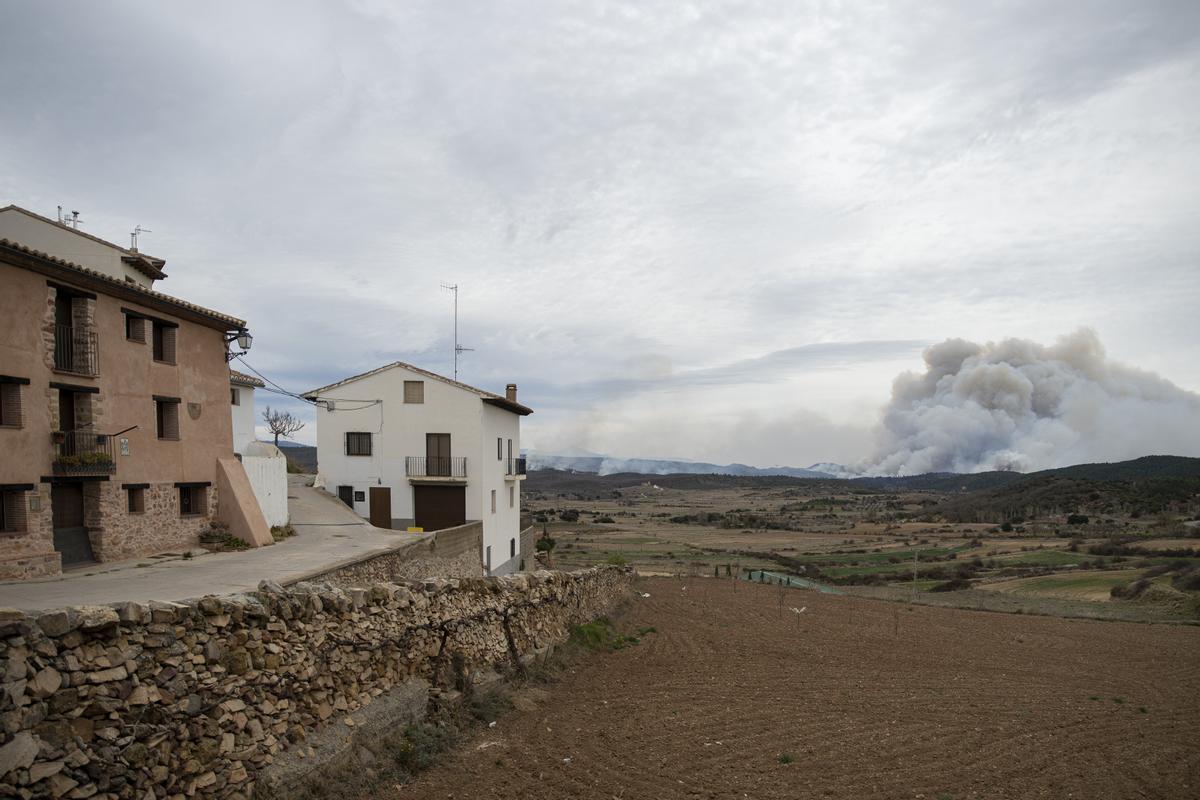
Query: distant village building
x=115, y=421
x=241, y=400
x=405, y=447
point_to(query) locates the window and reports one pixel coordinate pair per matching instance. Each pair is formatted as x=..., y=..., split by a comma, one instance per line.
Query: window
x=512, y=497
x=12, y=511
x=499, y=449
x=135, y=499
x=512, y=548
x=493, y=501
x=166, y=411
x=164, y=342
x=358, y=443
x=192, y=500
x=235, y=397
x=135, y=329
x=11, y=413
x=414, y=391
x=489, y=558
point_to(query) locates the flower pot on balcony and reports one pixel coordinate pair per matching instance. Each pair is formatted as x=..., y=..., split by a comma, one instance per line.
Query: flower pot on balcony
x=58, y=437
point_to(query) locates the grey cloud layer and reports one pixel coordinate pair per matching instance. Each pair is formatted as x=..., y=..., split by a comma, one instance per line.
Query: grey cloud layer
x=634, y=196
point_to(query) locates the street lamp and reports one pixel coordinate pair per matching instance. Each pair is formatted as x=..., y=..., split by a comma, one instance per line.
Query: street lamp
x=243, y=339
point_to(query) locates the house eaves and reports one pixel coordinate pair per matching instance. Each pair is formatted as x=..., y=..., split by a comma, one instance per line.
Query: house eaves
x=487, y=397
x=18, y=255
x=147, y=265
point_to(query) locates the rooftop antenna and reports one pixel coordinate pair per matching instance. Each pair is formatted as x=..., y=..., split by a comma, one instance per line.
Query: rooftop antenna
x=134, y=234
x=458, y=348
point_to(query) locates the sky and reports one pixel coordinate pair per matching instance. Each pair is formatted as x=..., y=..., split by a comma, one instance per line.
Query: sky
x=711, y=231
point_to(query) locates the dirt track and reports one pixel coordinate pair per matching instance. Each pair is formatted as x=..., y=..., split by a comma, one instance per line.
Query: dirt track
x=959, y=704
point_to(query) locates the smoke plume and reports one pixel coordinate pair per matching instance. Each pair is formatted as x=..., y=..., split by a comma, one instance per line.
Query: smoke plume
x=1020, y=405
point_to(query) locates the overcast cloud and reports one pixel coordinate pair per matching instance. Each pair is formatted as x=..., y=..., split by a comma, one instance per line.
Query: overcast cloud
x=715, y=231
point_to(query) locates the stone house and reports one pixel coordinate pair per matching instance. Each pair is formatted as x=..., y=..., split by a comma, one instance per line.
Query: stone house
x=115, y=418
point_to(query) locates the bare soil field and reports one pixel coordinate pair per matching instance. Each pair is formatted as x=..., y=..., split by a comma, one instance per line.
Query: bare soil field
x=736, y=696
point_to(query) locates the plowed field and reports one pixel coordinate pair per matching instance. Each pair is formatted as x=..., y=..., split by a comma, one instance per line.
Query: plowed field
x=853, y=698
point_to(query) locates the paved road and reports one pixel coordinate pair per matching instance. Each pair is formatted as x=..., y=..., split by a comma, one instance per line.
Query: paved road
x=327, y=533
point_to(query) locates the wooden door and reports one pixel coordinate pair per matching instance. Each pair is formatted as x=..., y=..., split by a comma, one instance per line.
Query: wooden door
x=381, y=507
x=70, y=535
x=437, y=454
x=346, y=495
x=438, y=507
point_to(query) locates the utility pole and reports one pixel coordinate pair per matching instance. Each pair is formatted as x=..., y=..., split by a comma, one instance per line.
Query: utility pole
x=458, y=348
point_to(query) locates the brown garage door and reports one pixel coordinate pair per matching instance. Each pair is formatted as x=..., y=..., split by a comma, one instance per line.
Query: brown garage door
x=438, y=507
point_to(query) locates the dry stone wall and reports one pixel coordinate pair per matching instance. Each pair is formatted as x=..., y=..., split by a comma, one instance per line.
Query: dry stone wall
x=195, y=699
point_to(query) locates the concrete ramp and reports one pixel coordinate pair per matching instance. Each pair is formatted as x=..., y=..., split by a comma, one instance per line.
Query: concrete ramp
x=237, y=506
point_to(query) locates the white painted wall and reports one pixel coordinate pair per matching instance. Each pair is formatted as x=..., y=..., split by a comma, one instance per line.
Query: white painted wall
x=375, y=404
x=501, y=529
x=243, y=418
x=266, y=467
x=60, y=242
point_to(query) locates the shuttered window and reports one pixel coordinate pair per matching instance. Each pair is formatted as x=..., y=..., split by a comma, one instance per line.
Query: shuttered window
x=192, y=500
x=164, y=343
x=358, y=444
x=135, y=328
x=167, y=417
x=136, y=500
x=493, y=501
x=235, y=397
x=414, y=391
x=12, y=511
x=512, y=497
x=11, y=413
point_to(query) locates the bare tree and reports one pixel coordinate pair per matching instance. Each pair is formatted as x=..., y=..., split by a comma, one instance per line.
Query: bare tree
x=281, y=423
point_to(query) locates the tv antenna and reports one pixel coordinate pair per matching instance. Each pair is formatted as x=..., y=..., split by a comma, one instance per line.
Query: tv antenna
x=134, y=234
x=458, y=348
x=71, y=221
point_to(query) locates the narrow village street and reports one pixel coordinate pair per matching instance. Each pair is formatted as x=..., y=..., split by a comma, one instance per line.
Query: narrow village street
x=327, y=533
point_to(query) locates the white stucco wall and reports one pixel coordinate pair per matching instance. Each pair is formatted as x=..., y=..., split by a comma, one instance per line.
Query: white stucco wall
x=60, y=242
x=243, y=419
x=266, y=467
x=398, y=430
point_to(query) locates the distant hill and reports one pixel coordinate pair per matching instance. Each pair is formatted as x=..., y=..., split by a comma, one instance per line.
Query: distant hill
x=605, y=466
x=975, y=486
x=302, y=455
x=1142, y=486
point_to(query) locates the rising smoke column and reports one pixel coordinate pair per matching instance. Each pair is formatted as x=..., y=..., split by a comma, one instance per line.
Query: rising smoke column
x=1020, y=405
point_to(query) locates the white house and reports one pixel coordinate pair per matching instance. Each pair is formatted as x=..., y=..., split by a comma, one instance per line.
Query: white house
x=241, y=398
x=405, y=447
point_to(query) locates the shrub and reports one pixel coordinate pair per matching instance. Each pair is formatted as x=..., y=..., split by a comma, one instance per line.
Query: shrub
x=616, y=559
x=544, y=544
x=1077, y=519
x=569, y=515
x=605, y=519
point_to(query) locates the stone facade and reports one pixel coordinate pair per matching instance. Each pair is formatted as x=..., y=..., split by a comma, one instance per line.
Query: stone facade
x=119, y=534
x=30, y=553
x=195, y=699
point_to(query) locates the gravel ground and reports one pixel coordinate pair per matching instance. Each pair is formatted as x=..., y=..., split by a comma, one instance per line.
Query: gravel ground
x=853, y=698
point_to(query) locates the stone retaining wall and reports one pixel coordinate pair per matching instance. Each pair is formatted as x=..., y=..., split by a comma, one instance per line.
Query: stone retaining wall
x=449, y=553
x=195, y=699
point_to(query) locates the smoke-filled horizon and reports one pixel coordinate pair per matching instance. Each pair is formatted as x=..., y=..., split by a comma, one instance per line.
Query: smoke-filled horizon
x=1020, y=405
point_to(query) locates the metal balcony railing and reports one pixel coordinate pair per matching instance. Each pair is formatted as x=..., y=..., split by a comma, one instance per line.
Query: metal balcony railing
x=83, y=453
x=436, y=467
x=516, y=466
x=76, y=350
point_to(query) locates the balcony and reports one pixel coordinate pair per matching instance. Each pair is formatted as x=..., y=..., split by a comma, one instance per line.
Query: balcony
x=515, y=469
x=440, y=469
x=76, y=350
x=83, y=453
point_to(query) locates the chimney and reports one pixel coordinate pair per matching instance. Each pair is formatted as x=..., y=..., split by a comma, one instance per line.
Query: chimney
x=510, y=392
